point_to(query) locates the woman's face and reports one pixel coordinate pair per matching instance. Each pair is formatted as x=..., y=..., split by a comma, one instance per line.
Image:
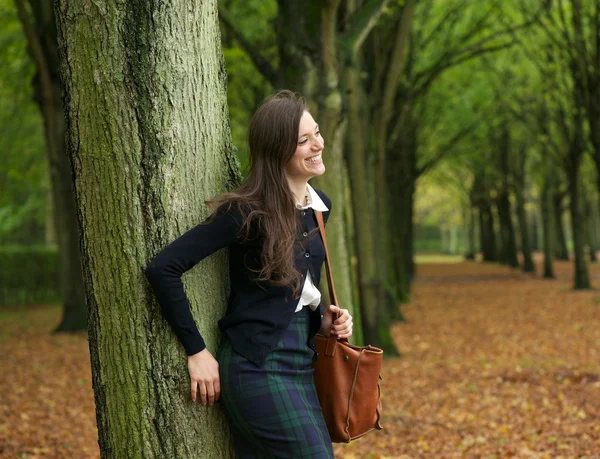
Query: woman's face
x=307, y=162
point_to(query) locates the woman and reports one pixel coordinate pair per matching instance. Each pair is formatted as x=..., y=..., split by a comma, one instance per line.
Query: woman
x=264, y=371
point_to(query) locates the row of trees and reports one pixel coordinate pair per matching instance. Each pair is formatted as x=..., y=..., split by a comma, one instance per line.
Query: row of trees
x=392, y=84
x=488, y=91
x=542, y=141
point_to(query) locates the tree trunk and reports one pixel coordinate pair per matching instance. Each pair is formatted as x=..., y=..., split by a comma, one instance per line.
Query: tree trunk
x=487, y=234
x=528, y=265
x=593, y=234
x=149, y=141
x=548, y=229
x=471, y=249
x=561, y=252
x=534, y=231
x=453, y=240
x=42, y=46
x=401, y=176
x=445, y=240
x=588, y=216
x=508, y=253
x=374, y=316
x=50, y=237
x=581, y=276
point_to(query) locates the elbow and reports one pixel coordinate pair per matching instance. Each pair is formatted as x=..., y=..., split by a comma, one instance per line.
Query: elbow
x=153, y=271
x=161, y=269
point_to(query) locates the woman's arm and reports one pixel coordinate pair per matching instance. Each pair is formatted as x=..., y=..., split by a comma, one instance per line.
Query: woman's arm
x=165, y=270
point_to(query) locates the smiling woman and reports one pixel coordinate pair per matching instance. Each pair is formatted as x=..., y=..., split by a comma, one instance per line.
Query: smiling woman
x=307, y=161
x=263, y=372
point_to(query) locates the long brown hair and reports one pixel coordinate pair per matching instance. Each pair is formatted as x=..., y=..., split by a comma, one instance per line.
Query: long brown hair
x=265, y=199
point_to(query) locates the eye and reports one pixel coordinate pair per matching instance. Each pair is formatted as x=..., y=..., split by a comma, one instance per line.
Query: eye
x=302, y=142
x=318, y=133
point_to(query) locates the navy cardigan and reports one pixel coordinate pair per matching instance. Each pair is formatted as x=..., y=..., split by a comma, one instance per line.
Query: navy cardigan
x=257, y=312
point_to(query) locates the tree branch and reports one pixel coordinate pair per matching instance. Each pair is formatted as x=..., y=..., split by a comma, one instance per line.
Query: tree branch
x=397, y=60
x=446, y=148
x=450, y=59
x=262, y=65
x=437, y=69
x=360, y=25
x=447, y=21
x=37, y=53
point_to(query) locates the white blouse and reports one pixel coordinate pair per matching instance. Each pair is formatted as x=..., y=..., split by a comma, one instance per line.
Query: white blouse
x=311, y=296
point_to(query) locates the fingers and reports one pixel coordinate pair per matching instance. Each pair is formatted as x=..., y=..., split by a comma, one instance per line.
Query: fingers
x=217, y=385
x=204, y=377
x=342, y=327
x=194, y=387
x=203, y=393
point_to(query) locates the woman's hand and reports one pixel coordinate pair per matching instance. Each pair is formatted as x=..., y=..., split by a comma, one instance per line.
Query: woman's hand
x=204, y=374
x=342, y=327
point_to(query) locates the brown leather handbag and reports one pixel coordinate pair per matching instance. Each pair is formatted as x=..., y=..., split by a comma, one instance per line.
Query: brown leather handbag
x=347, y=378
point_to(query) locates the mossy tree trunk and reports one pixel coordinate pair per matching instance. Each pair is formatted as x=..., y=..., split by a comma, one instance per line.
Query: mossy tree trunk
x=39, y=25
x=149, y=141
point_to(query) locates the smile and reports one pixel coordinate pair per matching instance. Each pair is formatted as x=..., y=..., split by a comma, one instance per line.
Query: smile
x=314, y=159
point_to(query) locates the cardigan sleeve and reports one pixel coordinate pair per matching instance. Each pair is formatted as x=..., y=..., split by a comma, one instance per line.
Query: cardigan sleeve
x=165, y=270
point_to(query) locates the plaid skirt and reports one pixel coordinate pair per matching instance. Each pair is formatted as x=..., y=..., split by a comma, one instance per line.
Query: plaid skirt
x=273, y=410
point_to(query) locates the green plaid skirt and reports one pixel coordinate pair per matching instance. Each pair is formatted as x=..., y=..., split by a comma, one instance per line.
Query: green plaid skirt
x=273, y=410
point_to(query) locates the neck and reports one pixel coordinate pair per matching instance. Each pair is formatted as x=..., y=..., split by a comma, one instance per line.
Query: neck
x=299, y=189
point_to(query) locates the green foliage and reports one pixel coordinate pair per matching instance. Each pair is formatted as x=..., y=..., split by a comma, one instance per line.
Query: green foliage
x=24, y=184
x=246, y=87
x=28, y=274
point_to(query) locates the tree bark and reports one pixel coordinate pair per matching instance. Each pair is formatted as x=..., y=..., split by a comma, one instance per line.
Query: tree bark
x=548, y=229
x=561, y=252
x=519, y=189
x=588, y=218
x=40, y=30
x=508, y=252
x=487, y=234
x=581, y=277
x=535, y=231
x=149, y=141
x=470, y=217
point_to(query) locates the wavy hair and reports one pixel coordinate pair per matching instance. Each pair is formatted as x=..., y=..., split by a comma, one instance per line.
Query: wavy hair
x=265, y=199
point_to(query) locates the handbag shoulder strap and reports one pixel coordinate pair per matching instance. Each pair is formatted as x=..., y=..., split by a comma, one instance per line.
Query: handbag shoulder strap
x=332, y=295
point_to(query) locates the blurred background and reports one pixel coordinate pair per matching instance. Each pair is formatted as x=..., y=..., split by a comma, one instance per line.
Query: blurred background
x=476, y=124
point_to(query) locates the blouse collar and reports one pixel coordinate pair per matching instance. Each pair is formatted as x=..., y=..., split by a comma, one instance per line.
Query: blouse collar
x=313, y=200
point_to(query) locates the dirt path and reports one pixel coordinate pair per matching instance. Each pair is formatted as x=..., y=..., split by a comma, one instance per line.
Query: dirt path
x=495, y=364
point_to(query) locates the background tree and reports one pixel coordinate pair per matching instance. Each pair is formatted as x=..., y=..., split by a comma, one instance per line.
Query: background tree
x=24, y=186
x=149, y=141
x=37, y=18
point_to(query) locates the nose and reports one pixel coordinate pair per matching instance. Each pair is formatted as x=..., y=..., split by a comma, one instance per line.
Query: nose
x=318, y=144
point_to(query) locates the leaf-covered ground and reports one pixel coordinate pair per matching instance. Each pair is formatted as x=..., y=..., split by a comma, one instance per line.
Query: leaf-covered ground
x=495, y=364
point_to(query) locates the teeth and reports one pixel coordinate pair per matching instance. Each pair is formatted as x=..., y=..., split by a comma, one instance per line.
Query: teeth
x=314, y=158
